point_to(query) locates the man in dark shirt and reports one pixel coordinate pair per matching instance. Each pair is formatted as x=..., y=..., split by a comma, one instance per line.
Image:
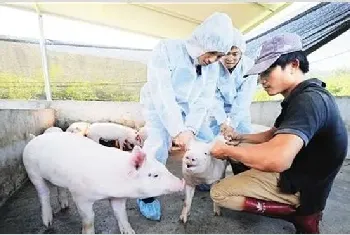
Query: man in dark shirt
x=293, y=165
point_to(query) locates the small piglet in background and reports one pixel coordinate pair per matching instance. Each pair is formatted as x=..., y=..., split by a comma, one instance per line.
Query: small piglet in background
x=53, y=129
x=93, y=172
x=79, y=128
x=198, y=167
x=126, y=136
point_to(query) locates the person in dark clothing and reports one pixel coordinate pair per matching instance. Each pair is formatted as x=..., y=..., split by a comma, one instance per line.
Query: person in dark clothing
x=293, y=165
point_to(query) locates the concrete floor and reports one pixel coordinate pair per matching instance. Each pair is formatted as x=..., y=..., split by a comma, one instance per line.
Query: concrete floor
x=21, y=214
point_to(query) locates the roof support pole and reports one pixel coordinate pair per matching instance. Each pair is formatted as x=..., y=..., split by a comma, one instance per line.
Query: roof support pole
x=44, y=55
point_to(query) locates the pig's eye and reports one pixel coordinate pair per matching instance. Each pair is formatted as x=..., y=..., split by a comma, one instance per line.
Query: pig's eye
x=206, y=153
x=155, y=175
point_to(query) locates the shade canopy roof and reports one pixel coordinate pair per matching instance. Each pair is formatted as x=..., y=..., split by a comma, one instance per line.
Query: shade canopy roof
x=164, y=20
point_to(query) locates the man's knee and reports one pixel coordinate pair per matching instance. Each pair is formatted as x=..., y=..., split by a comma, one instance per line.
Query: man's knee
x=220, y=192
x=235, y=185
x=225, y=199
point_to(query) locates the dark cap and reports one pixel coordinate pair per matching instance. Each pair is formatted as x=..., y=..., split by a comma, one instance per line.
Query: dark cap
x=273, y=48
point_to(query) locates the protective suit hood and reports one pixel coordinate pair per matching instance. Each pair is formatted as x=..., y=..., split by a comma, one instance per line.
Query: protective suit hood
x=214, y=34
x=238, y=40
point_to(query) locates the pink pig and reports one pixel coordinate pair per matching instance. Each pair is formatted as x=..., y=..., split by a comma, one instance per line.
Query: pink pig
x=93, y=172
x=198, y=167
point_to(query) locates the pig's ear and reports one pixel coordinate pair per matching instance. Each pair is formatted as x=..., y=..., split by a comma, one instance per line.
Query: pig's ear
x=137, y=157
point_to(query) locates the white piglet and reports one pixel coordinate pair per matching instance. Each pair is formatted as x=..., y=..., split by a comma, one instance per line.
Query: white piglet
x=93, y=172
x=53, y=129
x=198, y=167
x=112, y=131
x=79, y=128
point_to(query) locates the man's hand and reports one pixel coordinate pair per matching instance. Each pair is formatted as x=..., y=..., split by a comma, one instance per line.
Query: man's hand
x=183, y=139
x=228, y=132
x=219, y=150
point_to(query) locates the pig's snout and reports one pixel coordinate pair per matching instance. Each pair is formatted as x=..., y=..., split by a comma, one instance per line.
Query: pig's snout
x=190, y=161
x=179, y=186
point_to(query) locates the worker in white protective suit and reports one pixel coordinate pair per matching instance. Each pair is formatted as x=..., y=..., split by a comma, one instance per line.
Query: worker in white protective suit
x=230, y=113
x=181, y=82
x=234, y=93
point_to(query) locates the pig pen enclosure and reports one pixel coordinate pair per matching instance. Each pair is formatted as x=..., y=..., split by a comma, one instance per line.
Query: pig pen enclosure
x=20, y=207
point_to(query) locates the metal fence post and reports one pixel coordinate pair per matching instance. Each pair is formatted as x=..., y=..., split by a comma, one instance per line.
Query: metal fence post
x=44, y=55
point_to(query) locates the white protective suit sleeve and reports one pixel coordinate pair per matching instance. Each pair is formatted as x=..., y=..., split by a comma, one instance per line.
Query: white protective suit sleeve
x=241, y=105
x=198, y=109
x=240, y=109
x=218, y=109
x=162, y=93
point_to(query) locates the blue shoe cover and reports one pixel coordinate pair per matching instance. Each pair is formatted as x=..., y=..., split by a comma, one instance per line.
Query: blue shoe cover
x=151, y=210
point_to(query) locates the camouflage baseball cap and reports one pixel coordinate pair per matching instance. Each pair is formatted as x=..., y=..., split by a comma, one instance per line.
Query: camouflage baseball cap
x=273, y=48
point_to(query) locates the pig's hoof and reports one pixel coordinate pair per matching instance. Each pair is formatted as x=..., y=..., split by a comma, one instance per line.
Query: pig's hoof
x=217, y=210
x=183, y=218
x=62, y=194
x=127, y=231
x=47, y=218
x=184, y=214
x=88, y=228
x=217, y=213
x=64, y=205
x=88, y=231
